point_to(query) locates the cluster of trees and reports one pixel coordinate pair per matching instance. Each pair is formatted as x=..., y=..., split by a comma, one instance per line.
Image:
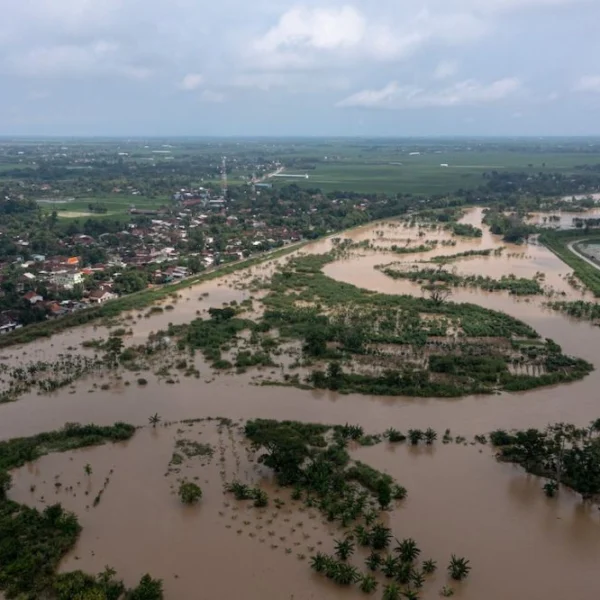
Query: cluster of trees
x=563, y=453
x=519, y=286
x=320, y=470
x=401, y=565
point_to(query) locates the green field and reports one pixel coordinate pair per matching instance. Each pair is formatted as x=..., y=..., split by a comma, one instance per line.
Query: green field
x=117, y=206
x=398, y=172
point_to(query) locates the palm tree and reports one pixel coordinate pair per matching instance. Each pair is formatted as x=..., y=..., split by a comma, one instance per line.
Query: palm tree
x=429, y=566
x=380, y=537
x=154, y=420
x=373, y=561
x=363, y=537
x=415, y=436
x=408, y=550
x=458, y=568
x=418, y=579
x=88, y=469
x=391, y=592
x=318, y=562
x=446, y=592
x=368, y=584
x=388, y=566
x=430, y=436
x=410, y=594
x=344, y=549
x=404, y=573
x=331, y=567
x=346, y=574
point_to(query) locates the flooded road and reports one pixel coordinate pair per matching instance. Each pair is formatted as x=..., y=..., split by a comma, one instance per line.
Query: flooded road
x=461, y=500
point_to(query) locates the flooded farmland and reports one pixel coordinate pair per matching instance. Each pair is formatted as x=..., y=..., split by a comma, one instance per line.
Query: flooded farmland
x=459, y=498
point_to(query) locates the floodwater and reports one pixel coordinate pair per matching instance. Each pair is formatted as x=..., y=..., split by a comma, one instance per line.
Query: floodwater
x=460, y=500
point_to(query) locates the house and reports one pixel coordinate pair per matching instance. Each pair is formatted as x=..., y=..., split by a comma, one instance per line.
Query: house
x=66, y=279
x=101, y=296
x=7, y=323
x=33, y=298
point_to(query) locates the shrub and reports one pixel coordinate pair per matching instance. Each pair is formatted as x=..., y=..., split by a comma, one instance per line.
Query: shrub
x=189, y=492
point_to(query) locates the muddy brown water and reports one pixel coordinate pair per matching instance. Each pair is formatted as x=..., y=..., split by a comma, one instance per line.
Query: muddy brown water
x=460, y=500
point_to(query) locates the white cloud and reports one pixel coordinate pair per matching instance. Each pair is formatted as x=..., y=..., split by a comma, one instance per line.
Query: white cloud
x=445, y=69
x=192, y=81
x=589, y=83
x=464, y=93
x=319, y=37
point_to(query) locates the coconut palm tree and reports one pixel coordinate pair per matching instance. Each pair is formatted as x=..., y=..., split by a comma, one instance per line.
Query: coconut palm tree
x=430, y=436
x=446, y=592
x=363, y=537
x=404, y=573
x=418, y=579
x=88, y=469
x=368, y=584
x=410, y=594
x=429, y=566
x=408, y=550
x=391, y=592
x=415, y=436
x=458, y=568
x=380, y=536
x=318, y=562
x=344, y=549
x=373, y=561
x=154, y=419
x=346, y=574
x=388, y=566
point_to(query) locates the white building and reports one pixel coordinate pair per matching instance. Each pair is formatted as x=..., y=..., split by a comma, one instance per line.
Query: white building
x=67, y=279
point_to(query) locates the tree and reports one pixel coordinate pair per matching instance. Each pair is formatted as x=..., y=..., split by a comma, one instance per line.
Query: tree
x=189, y=492
x=5, y=483
x=437, y=292
x=362, y=535
x=388, y=566
x=429, y=566
x=415, y=436
x=344, y=549
x=88, y=469
x=154, y=420
x=373, y=561
x=318, y=562
x=384, y=492
x=380, y=536
x=458, y=568
x=408, y=550
x=430, y=436
x=392, y=591
x=368, y=584
x=346, y=574
x=113, y=348
x=147, y=589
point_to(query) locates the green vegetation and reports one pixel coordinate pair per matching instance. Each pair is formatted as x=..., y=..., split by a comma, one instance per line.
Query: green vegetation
x=451, y=257
x=189, y=492
x=579, y=309
x=519, y=286
x=466, y=230
x=302, y=457
x=558, y=241
x=562, y=453
x=340, y=323
x=33, y=542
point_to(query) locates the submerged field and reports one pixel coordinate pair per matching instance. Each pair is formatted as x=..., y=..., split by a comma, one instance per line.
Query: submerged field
x=270, y=328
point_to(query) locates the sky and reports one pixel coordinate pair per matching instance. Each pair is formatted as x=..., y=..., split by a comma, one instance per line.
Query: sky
x=309, y=68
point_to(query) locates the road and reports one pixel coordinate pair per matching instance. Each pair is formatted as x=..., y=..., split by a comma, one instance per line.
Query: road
x=587, y=260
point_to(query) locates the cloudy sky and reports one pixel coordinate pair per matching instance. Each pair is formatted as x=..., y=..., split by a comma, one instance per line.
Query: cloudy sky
x=314, y=67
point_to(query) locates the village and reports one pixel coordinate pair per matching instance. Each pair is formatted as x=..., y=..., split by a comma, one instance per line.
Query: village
x=199, y=230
